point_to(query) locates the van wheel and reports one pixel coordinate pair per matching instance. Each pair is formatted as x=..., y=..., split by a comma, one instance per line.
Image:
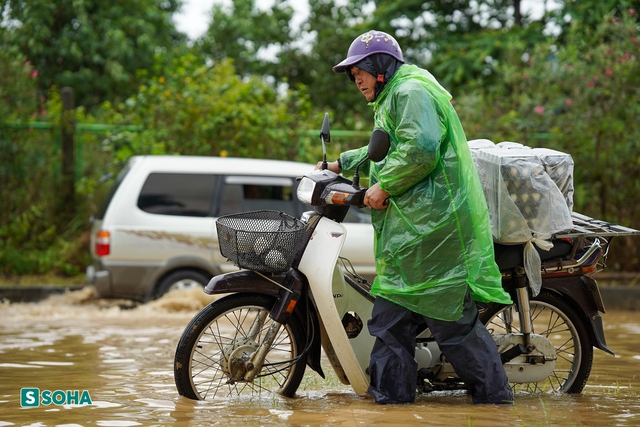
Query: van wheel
x=184, y=279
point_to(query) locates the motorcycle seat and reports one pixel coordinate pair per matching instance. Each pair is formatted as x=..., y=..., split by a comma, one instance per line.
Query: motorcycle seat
x=509, y=257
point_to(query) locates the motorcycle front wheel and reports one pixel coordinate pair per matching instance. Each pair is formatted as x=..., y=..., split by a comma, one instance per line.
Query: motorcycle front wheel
x=555, y=320
x=218, y=339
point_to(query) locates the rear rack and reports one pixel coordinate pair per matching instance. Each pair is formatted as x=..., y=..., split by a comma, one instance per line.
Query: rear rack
x=585, y=226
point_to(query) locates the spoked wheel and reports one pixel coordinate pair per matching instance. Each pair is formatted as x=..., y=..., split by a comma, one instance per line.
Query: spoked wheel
x=218, y=342
x=555, y=320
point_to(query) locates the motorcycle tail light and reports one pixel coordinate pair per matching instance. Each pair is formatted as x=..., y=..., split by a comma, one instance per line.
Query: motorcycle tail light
x=103, y=243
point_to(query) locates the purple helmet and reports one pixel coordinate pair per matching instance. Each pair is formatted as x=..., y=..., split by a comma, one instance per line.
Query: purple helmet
x=367, y=44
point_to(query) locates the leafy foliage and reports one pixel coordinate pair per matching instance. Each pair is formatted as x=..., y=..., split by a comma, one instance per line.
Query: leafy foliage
x=587, y=14
x=18, y=92
x=33, y=238
x=583, y=99
x=256, y=83
x=335, y=28
x=267, y=44
x=209, y=110
x=94, y=46
x=245, y=33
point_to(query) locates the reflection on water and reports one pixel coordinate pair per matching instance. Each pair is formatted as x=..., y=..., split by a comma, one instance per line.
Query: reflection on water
x=122, y=356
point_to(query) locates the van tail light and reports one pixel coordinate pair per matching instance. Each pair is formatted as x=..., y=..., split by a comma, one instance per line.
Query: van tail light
x=103, y=243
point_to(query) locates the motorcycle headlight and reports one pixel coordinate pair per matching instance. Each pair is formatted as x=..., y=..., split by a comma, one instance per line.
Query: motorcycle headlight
x=306, y=189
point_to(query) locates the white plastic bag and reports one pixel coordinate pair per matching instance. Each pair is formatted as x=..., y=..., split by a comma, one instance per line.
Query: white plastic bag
x=526, y=205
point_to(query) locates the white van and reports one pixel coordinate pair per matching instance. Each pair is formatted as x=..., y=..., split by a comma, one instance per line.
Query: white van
x=155, y=230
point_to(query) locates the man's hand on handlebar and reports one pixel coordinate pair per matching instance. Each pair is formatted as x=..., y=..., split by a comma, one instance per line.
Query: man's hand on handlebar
x=332, y=166
x=376, y=197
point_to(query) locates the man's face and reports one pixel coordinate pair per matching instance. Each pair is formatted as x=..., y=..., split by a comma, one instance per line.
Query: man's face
x=365, y=82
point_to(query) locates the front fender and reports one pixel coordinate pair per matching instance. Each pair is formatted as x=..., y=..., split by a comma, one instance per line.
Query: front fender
x=244, y=281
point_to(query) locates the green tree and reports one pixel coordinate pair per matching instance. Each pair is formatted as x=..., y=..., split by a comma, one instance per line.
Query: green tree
x=459, y=40
x=265, y=43
x=589, y=13
x=18, y=86
x=33, y=238
x=335, y=27
x=246, y=34
x=581, y=98
x=199, y=109
x=19, y=102
x=94, y=46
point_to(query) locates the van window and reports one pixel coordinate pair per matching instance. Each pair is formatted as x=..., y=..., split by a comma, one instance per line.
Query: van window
x=112, y=190
x=251, y=193
x=181, y=194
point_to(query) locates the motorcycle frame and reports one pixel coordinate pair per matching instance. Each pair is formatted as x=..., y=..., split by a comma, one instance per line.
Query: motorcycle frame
x=324, y=241
x=328, y=297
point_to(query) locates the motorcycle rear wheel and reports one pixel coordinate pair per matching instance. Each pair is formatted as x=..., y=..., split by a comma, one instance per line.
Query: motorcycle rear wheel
x=555, y=320
x=218, y=332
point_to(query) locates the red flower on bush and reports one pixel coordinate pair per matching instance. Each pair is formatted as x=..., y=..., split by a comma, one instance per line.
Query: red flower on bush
x=539, y=109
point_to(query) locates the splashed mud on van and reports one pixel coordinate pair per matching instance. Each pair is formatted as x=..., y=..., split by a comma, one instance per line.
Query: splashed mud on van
x=186, y=239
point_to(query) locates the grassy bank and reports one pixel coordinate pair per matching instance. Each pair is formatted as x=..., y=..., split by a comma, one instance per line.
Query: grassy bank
x=43, y=279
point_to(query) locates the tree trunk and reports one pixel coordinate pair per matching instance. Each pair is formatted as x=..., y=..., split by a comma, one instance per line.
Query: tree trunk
x=517, y=16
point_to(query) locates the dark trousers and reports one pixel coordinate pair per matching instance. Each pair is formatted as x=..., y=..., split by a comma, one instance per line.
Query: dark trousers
x=465, y=343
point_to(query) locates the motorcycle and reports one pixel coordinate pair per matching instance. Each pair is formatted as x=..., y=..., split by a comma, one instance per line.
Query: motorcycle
x=295, y=298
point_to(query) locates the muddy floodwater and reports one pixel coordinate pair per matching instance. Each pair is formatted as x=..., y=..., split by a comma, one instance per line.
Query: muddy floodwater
x=74, y=348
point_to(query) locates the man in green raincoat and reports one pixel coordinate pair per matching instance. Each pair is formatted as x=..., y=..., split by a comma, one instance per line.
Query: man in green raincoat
x=433, y=241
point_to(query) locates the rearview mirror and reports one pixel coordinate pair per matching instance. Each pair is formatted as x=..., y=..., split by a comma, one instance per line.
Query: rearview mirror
x=377, y=150
x=325, y=133
x=378, y=145
x=325, y=136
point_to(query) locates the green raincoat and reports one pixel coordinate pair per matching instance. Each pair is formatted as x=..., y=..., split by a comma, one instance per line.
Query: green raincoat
x=434, y=239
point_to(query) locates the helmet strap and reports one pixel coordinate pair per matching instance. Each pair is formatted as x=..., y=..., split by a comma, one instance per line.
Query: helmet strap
x=382, y=70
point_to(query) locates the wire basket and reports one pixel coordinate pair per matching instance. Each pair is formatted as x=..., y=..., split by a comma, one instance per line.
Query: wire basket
x=264, y=241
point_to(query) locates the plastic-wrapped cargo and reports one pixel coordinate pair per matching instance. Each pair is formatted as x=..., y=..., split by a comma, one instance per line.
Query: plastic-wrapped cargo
x=529, y=193
x=559, y=166
x=524, y=200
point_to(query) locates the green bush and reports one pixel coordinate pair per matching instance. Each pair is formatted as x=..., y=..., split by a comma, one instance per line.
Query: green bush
x=198, y=109
x=581, y=98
